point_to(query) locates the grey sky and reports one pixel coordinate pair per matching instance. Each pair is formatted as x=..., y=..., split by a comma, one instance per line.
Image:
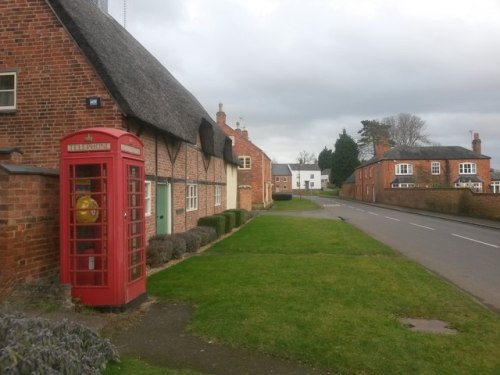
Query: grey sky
x=297, y=72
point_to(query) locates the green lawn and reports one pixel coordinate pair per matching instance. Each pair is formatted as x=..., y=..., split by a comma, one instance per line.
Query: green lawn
x=323, y=293
x=295, y=204
x=130, y=366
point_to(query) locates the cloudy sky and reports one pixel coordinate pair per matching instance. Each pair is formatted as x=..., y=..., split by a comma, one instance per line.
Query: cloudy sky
x=296, y=72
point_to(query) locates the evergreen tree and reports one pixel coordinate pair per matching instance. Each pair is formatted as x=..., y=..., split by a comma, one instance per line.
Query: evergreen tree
x=345, y=158
x=325, y=159
x=372, y=133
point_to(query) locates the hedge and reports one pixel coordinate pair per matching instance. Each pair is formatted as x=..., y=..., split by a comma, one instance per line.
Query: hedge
x=240, y=216
x=216, y=221
x=282, y=197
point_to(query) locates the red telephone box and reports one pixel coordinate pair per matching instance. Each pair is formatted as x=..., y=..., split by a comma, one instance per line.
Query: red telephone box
x=102, y=216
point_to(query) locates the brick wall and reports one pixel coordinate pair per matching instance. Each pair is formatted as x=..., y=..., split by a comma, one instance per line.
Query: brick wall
x=53, y=80
x=462, y=202
x=29, y=229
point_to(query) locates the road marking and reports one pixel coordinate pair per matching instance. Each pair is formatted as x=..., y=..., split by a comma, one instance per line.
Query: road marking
x=473, y=240
x=392, y=218
x=331, y=205
x=359, y=209
x=373, y=213
x=422, y=226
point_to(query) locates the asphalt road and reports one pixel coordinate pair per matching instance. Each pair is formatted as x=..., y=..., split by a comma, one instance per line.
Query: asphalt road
x=465, y=254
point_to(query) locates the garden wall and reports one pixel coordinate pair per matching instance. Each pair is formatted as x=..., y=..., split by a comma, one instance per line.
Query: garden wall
x=29, y=230
x=463, y=202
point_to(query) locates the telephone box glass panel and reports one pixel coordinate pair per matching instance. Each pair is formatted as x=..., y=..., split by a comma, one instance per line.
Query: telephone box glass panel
x=88, y=224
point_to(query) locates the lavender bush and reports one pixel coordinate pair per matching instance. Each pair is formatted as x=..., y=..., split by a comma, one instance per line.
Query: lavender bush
x=39, y=346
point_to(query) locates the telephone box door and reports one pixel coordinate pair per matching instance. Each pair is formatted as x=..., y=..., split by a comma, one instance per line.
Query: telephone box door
x=89, y=225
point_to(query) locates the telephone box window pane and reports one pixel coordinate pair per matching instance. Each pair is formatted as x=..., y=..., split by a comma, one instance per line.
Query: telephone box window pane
x=88, y=225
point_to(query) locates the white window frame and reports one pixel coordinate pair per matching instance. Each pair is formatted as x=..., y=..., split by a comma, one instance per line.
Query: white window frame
x=13, y=91
x=404, y=169
x=467, y=168
x=232, y=140
x=277, y=179
x=475, y=186
x=495, y=187
x=436, y=168
x=284, y=179
x=191, y=197
x=404, y=185
x=246, y=162
x=218, y=195
x=147, y=198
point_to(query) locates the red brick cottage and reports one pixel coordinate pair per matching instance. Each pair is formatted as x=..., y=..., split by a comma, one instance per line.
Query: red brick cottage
x=254, y=171
x=282, y=179
x=428, y=178
x=65, y=66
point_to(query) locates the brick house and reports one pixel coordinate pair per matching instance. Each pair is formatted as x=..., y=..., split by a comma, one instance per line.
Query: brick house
x=282, y=178
x=254, y=171
x=422, y=167
x=66, y=66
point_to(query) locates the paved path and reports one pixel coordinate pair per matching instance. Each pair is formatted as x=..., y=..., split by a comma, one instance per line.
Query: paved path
x=160, y=338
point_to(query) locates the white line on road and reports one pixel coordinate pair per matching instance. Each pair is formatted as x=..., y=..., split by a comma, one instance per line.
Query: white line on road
x=473, y=240
x=392, y=218
x=373, y=213
x=359, y=209
x=422, y=226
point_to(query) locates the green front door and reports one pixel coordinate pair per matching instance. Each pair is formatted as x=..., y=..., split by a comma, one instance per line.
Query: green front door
x=162, y=218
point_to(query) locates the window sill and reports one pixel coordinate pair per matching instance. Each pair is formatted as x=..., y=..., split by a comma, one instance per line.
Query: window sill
x=7, y=111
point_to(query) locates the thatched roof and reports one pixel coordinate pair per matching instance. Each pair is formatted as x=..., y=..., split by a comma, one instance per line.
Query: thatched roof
x=142, y=87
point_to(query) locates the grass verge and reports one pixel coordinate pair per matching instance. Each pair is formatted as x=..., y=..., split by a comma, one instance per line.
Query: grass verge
x=131, y=366
x=323, y=293
x=295, y=204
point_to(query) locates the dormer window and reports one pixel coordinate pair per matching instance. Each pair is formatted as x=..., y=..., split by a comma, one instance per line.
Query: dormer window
x=404, y=169
x=7, y=91
x=467, y=168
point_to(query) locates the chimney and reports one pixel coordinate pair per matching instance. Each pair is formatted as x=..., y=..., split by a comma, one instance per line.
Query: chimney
x=382, y=147
x=244, y=133
x=476, y=144
x=221, y=116
x=238, y=129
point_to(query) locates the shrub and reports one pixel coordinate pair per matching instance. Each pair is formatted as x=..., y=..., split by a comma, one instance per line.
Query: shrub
x=193, y=241
x=216, y=221
x=159, y=250
x=208, y=234
x=282, y=197
x=179, y=246
x=240, y=216
x=230, y=221
x=39, y=346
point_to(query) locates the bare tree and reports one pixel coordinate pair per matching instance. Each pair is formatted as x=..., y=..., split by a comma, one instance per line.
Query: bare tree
x=407, y=130
x=306, y=158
